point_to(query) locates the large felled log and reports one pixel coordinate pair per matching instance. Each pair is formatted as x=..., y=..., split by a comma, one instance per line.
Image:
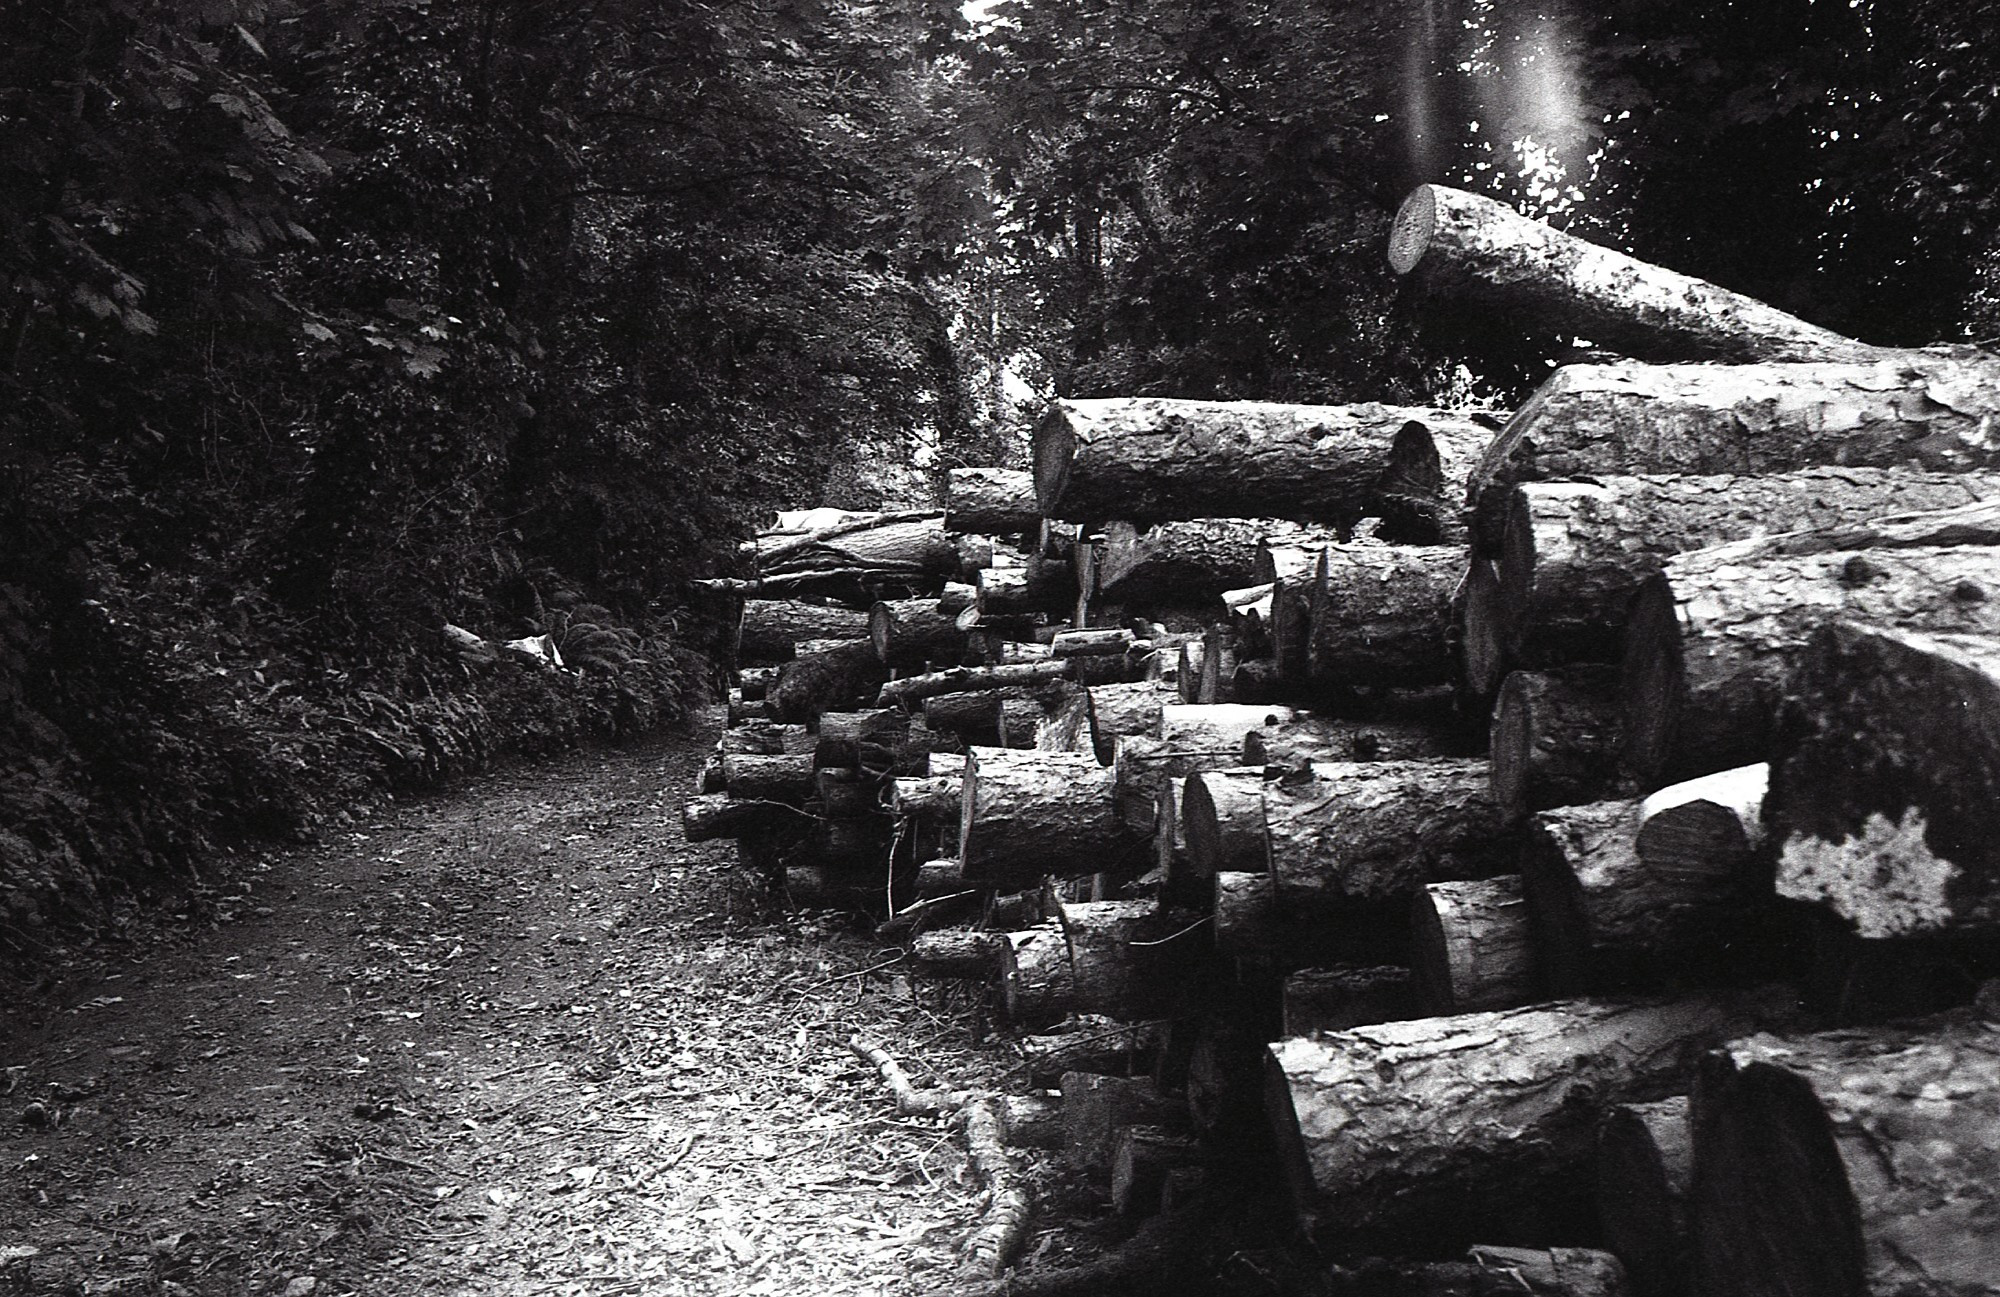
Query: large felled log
x=918, y=546
x=838, y=675
x=1885, y=790
x=1855, y=1163
x=1644, y=1168
x=1381, y=614
x=914, y=689
x=913, y=633
x=1932, y=409
x=1252, y=924
x=1570, y=554
x=990, y=500
x=1483, y=251
x=1337, y=999
x=1968, y=524
x=1472, y=949
x=1025, y=814
x=1712, y=639
x=1306, y=739
x=1438, y=1130
x=1555, y=738
x=1151, y=460
x=1123, y=961
x=1191, y=562
x=771, y=627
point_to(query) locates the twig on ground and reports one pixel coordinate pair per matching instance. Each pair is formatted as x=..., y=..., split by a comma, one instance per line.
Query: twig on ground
x=1005, y=1224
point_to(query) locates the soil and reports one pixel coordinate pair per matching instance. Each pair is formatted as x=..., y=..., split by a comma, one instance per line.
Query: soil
x=520, y=1037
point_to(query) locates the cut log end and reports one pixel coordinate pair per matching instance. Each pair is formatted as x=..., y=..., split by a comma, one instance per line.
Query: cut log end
x=1410, y=235
x=1652, y=683
x=1054, y=450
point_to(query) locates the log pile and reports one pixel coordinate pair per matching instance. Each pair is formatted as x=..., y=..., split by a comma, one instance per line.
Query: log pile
x=1409, y=816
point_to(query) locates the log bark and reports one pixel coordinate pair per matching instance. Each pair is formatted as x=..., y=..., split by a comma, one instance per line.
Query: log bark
x=1065, y=726
x=1933, y=409
x=1141, y=765
x=1373, y=833
x=1031, y=1120
x=907, y=542
x=1044, y=586
x=957, y=596
x=1852, y=1164
x=1293, y=572
x=742, y=711
x=1218, y=668
x=995, y=501
x=1886, y=787
x=973, y=717
x=784, y=779
x=1124, y=962
x=958, y=952
x=1713, y=639
x=1140, y=1165
x=930, y=798
x=1091, y=643
x=1090, y=1043
x=755, y=682
x=1480, y=250
x=1472, y=949
x=1151, y=460
x=1306, y=739
x=1381, y=614
x=1495, y=1272
x=1969, y=524
x=1035, y=985
x=1437, y=1130
x=1025, y=814
x=914, y=689
x=764, y=739
x=1222, y=815
x=1555, y=739
x=861, y=738
x=912, y=633
x=1192, y=561
x=1097, y=1109
x=842, y=676
x=1483, y=663
x=718, y=815
x=1643, y=1171
x=770, y=628
x=1341, y=998
x=846, y=792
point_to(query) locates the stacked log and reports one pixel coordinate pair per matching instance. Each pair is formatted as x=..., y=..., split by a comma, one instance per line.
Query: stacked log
x=1181, y=564
x=1381, y=614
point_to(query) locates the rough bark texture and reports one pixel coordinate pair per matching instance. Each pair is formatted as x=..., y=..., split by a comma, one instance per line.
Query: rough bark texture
x=903, y=543
x=1141, y=765
x=990, y=500
x=785, y=779
x=1967, y=524
x=838, y=676
x=1222, y=814
x=1034, y=975
x=1306, y=739
x=1933, y=409
x=1357, y=833
x=1122, y=961
x=1885, y=789
x=1338, y=999
x=1148, y=459
x=1483, y=662
x=1381, y=614
x=1857, y=1163
x=958, y=952
x=1097, y=1109
x=1472, y=949
x=1644, y=1169
x=1043, y=587
x=771, y=627
x=864, y=738
x=718, y=815
x=1555, y=738
x=1090, y=1043
x=1292, y=572
x=1438, y=1130
x=913, y=689
x=1712, y=640
x=846, y=792
x=1025, y=814
x=755, y=681
x=1091, y=643
x=912, y=633
x=1479, y=250
x=1066, y=726
x=1192, y=561
x=974, y=717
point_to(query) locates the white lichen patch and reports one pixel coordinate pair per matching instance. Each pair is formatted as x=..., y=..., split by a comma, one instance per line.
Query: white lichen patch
x=1886, y=881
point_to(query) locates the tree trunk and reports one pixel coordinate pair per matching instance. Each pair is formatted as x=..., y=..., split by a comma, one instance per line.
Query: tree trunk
x=1373, y=833
x=718, y=815
x=995, y=501
x=1305, y=739
x=1471, y=247
x=1968, y=524
x=958, y=952
x=974, y=717
x=1472, y=949
x=1439, y=1130
x=1713, y=639
x=770, y=628
x=763, y=739
x=1644, y=1171
x=861, y=738
x=1222, y=813
x=1026, y=814
x=1555, y=739
x=1035, y=986
x=929, y=798
x=1194, y=561
x=1934, y=409
x=1886, y=789
x=785, y=779
x=1851, y=1164
x=1149, y=460
x=1338, y=999
x=1381, y=614
x=912, y=633
x=1090, y=1043
x=914, y=689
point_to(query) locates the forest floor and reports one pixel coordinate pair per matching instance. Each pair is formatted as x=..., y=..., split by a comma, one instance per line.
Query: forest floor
x=515, y=1038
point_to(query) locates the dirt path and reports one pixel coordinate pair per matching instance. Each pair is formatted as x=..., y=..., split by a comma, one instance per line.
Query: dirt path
x=521, y=1038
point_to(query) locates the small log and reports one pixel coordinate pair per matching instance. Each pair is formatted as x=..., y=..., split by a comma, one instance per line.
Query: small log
x=1305, y=739
x=1552, y=1272
x=1479, y=250
x=1851, y=1163
x=1035, y=983
x=1341, y=998
x=1885, y=790
x=1555, y=739
x=998, y=501
x=718, y=815
x=771, y=627
x=754, y=682
x=839, y=676
x=1031, y=1120
x=862, y=738
x=914, y=689
x=1438, y=1130
x=1066, y=726
x=922, y=747
x=1295, y=574
x=1021, y=719
x=1472, y=949
x=937, y=879
x=757, y=738
x=1097, y=1109
x=1382, y=614
x=1144, y=1157
x=958, y=952
x=1091, y=643
x=1025, y=814
x=1644, y=1170
x=1712, y=640
x=1141, y=765
x=973, y=717
x=1193, y=560
x=912, y=634
x=784, y=779
x=1218, y=668
x=744, y=712
x=905, y=543
x=1150, y=460
x=1222, y=817
x=1046, y=586
x=1003, y=1226
x=857, y=848
x=830, y=886
x=846, y=793
x=956, y=597
x=1090, y=1043
x=1706, y=825
x=933, y=798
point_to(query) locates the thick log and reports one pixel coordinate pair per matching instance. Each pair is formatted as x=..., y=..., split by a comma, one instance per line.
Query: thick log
x=763, y=739
x=863, y=738
x=1123, y=963
x=858, y=848
x=1191, y=561
x=1885, y=789
x=1252, y=926
x=1151, y=460
x=1141, y=765
x=1090, y=1043
x=1933, y=409
x=744, y=711
x=1644, y=1169
x=957, y=596
x=1555, y=738
x=1570, y=554
x=1222, y=816
x=1438, y=1130
x=991, y=500
x=718, y=815
x=1969, y=524
x=1481, y=251
x=1091, y=643
x=914, y=689
x=1306, y=739
x=1035, y=985
x=772, y=627
x=922, y=747
x=784, y=779
x=1712, y=640
x=1472, y=949
x=1144, y=1157
x=912, y=633
x=1025, y=814
x=1042, y=586
x=958, y=952
x=906, y=542
x=1097, y=1109
x=1381, y=614
x=1853, y=1164
x=1373, y=833
x=1344, y=997
x=841, y=676
x=974, y=717
x=931, y=798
